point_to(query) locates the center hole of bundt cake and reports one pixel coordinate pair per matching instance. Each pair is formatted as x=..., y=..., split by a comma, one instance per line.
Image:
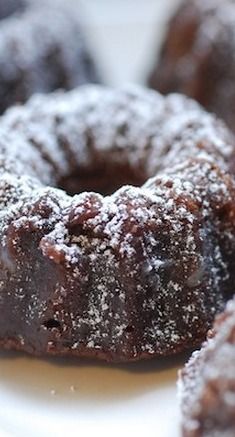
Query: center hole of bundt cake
x=52, y=324
x=103, y=179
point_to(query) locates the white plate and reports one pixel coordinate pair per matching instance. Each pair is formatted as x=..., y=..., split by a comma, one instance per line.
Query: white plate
x=44, y=398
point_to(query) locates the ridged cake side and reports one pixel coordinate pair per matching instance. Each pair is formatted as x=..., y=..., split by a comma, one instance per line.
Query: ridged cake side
x=133, y=274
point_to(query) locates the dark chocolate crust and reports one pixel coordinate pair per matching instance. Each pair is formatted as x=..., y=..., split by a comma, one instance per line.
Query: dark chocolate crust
x=197, y=57
x=207, y=384
x=42, y=48
x=138, y=273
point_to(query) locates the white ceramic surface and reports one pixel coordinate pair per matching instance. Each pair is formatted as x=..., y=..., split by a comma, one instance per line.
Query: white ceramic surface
x=41, y=398
x=58, y=398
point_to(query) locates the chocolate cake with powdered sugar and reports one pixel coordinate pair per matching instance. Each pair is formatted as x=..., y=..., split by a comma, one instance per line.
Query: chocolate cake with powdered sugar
x=139, y=261
x=197, y=56
x=42, y=48
x=207, y=383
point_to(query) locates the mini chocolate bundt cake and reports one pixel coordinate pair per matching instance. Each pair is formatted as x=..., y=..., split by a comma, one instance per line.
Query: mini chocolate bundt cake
x=42, y=48
x=197, y=57
x=208, y=383
x=138, y=270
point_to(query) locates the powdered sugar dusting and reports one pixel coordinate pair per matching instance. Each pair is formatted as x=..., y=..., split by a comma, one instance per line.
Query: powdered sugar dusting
x=142, y=271
x=59, y=58
x=145, y=130
x=207, y=382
